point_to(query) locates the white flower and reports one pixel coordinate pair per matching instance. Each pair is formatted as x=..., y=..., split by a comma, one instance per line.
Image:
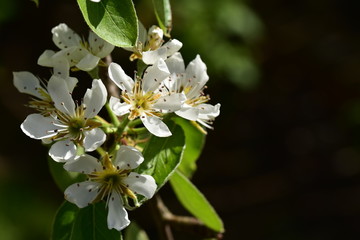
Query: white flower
x=112, y=182
x=143, y=98
x=70, y=125
x=27, y=83
x=149, y=47
x=84, y=55
x=95, y=0
x=191, y=81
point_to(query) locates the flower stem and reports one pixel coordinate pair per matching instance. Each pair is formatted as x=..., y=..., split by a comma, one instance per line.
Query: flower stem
x=113, y=117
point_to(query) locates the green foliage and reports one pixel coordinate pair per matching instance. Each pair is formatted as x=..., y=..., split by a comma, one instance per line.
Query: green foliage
x=198, y=205
x=63, y=178
x=163, y=155
x=89, y=223
x=134, y=232
x=113, y=20
x=194, y=143
x=163, y=14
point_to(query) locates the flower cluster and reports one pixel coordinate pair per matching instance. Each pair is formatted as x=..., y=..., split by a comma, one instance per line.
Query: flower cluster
x=74, y=129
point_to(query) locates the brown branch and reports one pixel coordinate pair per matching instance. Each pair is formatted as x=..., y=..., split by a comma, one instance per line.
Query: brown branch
x=190, y=225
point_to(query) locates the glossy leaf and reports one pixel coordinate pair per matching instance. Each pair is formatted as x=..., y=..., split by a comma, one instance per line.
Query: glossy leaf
x=194, y=143
x=163, y=14
x=63, y=178
x=113, y=20
x=73, y=223
x=163, y=154
x=199, y=205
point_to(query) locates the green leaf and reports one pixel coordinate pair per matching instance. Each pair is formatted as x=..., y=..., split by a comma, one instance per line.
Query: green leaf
x=134, y=232
x=63, y=178
x=163, y=14
x=198, y=205
x=113, y=20
x=89, y=223
x=163, y=154
x=194, y=143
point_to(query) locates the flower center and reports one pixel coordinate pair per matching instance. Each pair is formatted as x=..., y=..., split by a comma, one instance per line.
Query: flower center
x=76, y=126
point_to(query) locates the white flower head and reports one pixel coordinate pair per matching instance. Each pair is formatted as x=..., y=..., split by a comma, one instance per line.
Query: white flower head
x=79, y=53
x=191, y=81
x=69, y=125
x=28, y=83
x=144, y=98
x=111, y=181
x=150, y=47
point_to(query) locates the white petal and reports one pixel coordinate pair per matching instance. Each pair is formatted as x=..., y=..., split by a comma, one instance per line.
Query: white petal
x=71, y=83
x=189, y=113
x=82, y=194
x=117, y=216
x=93, y=139
x=27, y=83
x=128, y=157
x=45, y=58
x=61, y=96
x=175, y=63
x=150, y=57
x=64, y=37
x=84, y=164
x=172, y=46
x=196, y=71
x=155, y=126
x=61, y=67
x=88, y=62
x=119, y=77
x=73, y=54
x=154, y=75
x=95, y=98
x=208, y=111
x=171, y=102
x=142, y=33
x=141, y=184
x=63, y=151
x=98, y=46
x=119, y=108
x=38, y=127
x=95, y=0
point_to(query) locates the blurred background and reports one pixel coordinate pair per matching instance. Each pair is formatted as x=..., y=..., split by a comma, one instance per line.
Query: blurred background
x=284, y=159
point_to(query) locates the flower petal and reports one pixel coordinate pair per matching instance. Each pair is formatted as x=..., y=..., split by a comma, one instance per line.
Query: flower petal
x=98, y=46
x=61, y=67
x=82, y=194
x=45, y=58
x=175, y=63
x=119, y=77
x=63, y=151
x=170, y=103
x=141, y=184
x=84, y=164
x=172, y=46
x=73, y=54
x=150, y=57
x=93, y=139
x=117, y=216
x=95, y=98
x=38, y=127
x=119, y=108
x=207, y=111
x=196, y=71
x=88, y=62
x=65, y=37
x=155, y=126
x=189, y=113
x=128, y=157
x=27, y=83
x=154, y=75
x=61, y=96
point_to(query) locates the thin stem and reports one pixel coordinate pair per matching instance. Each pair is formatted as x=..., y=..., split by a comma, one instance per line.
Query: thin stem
x=114, y=119
x=122, y=125
x=134, y=123
x=137, y=130
x=101, y=151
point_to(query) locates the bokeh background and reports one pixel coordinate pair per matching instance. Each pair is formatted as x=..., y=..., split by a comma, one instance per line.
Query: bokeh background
x=284, y=159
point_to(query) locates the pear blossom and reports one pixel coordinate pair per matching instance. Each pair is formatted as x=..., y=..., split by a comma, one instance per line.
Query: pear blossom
x=191, y=81
x=111, y=181
x=144, y=98
x=150, y=46
x=28, y=83
x=69, y=125
x=79, y=53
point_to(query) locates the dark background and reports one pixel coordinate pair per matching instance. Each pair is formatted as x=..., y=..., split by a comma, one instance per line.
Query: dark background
x=284, y=159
